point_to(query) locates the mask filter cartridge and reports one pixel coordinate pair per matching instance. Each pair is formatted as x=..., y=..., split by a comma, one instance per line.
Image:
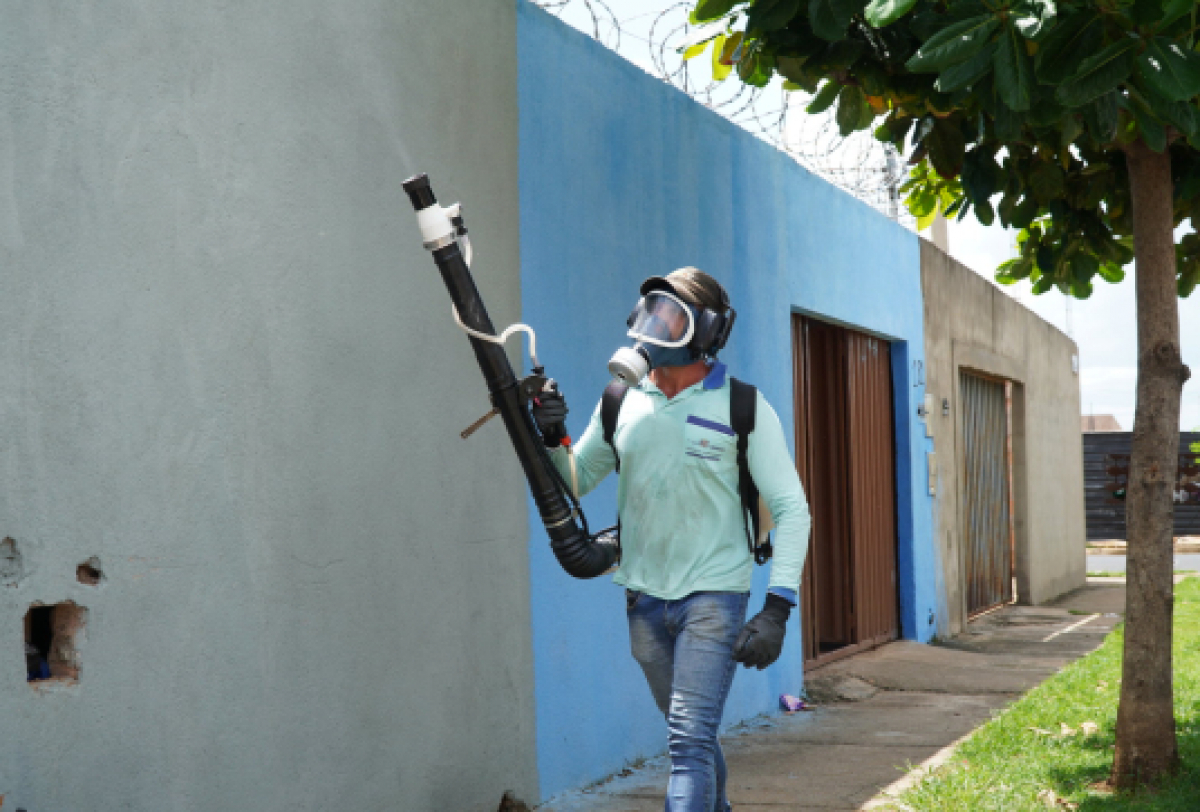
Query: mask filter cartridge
x=629, y=365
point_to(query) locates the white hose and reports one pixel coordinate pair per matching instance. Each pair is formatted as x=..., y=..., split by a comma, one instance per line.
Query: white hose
x=504, y=336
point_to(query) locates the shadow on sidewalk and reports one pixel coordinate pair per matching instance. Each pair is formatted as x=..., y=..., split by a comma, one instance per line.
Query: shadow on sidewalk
x=911, y=701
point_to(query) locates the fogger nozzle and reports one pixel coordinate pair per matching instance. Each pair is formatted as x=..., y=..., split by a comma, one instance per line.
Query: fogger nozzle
x=577, y=553
x=437, y=228
x=419, y=191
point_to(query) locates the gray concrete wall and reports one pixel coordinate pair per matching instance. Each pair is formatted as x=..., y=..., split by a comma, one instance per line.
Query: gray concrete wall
x=230, y=373
x=971, y=324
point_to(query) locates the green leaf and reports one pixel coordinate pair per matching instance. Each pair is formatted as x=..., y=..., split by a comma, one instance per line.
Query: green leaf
x=1174, y=10
x=1181, y=114
x=791, y=67
x=866, y=116
x=984, y=212
x=1184, y=286
x=952, y=44
x=1008, y=123
x=894, y=130
x=981, y=176
x=1145, y=12
x=1084, y=267
x=850, y=109
x=1111, y=273
x=967, y=73
x=1153, y=132
x=886, y=12
x=947, y=147
x=709, y=10
x=771, y=15
x=756, y=66
x=1081, y=290
x=1047, y=181
x=1043, y=285
x=1071, y=129
x=842, y=55
x=1024, y=212
x=1014, y=71
x=825, y=97
x=1102, y=117
x=695, y=50
x=720, y=70
x=830, y=18
x=1014, y=270
x=1097, y=75
x=1072, y=40
x=923, y=203
x=1170, y=70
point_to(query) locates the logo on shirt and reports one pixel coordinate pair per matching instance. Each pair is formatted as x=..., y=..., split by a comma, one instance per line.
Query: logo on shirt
x=707, y=439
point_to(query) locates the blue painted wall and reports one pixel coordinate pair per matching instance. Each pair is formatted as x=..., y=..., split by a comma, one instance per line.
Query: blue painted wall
x=622, y=177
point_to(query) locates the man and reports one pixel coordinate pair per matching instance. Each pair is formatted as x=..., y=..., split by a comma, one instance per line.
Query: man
x=685, y=562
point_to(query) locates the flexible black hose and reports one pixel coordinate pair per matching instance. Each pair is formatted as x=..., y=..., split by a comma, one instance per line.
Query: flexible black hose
x=604, y=536
x=579, y=555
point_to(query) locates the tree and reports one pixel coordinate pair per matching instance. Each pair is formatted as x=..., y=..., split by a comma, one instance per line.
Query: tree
x=1076, y=122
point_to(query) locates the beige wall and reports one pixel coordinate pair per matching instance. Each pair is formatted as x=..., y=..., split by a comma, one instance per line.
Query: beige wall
x=970, y=324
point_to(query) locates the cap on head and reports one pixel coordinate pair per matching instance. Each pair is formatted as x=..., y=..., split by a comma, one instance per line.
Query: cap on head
x=692, y=285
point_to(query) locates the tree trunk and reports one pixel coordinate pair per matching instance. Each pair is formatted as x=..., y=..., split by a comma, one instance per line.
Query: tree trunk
x=1147, y=749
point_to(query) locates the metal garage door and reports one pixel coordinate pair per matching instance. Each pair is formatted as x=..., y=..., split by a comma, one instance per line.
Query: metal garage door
x=986, y=518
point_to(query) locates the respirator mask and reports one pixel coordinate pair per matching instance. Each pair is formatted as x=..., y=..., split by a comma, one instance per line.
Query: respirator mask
x=668, y=332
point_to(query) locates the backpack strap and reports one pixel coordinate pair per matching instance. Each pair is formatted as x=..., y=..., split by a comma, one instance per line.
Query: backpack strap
x=610, y=409
x=743, y=406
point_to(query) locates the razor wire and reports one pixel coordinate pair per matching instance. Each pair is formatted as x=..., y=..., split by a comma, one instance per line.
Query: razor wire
x=655, y=39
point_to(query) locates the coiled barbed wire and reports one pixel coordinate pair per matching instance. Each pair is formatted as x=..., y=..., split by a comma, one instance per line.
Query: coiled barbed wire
x=605, y=28
x=859, y=164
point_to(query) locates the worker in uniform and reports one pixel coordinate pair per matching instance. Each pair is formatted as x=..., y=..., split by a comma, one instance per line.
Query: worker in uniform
x=687, y=552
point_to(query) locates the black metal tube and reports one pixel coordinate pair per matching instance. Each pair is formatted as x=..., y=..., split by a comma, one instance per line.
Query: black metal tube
x=576, y=553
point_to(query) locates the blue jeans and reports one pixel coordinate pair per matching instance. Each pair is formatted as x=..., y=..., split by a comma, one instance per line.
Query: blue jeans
x=685, y=648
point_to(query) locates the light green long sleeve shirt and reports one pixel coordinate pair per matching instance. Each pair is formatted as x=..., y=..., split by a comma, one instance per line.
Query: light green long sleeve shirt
x=682, y=529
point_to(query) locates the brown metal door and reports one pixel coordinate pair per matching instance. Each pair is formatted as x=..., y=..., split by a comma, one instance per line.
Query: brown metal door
x=986, y=520
x=829, y=568
x=844, y=453
x=872, y=487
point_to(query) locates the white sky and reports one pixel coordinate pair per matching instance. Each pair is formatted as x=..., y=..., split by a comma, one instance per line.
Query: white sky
x=1102, y=326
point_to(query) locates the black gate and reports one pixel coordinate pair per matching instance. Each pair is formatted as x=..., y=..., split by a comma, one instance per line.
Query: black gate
x=1106, y=475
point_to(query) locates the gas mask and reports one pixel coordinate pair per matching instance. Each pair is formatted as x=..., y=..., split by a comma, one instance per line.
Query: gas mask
x=663, y=327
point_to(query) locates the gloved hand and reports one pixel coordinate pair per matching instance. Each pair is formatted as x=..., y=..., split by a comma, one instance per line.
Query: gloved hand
x=550, y=413
x=761, y=638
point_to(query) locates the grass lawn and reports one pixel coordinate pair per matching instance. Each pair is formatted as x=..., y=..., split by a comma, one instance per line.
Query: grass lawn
x=1121, y=573
x=1045, y=743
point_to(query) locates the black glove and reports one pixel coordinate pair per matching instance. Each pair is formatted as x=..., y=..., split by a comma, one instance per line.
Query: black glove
x=761, y=638
x=550, y=413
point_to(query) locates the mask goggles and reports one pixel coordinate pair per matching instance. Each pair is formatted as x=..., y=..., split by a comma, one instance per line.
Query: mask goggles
x=662, y=319
x=663, y=327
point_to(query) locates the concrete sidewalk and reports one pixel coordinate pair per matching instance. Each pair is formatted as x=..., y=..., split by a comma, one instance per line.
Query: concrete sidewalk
x=882, y=712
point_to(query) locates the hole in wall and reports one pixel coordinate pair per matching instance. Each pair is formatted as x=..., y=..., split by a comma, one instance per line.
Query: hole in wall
x=52, y=638
x=511, y=803
x=89, y=572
